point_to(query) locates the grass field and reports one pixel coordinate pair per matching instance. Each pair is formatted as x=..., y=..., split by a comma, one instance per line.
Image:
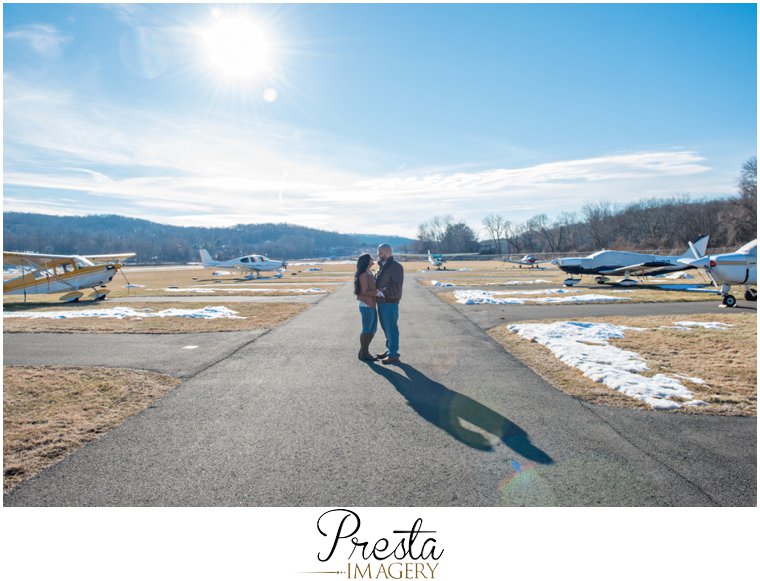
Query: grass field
x=726, y=360
x=505, y=277
x=50, y=412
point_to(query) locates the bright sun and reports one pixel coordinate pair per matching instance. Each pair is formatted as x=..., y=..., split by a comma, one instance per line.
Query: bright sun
x=238, y=48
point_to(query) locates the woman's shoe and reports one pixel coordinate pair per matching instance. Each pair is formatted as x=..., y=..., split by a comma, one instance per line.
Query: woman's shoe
x=364, y=354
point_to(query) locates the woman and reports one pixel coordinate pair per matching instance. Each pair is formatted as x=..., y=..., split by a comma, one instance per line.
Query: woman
x=366, y=291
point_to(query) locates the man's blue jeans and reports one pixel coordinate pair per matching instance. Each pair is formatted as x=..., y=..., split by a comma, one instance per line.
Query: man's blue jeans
x=388, y=314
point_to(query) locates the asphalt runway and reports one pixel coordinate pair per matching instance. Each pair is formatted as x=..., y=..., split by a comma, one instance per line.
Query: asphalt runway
x=290, y=417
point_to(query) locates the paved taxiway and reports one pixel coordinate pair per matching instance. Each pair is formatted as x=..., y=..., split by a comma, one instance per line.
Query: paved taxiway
x=290, y=417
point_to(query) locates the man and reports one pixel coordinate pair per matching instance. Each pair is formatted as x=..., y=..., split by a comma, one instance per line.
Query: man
x=390, y=280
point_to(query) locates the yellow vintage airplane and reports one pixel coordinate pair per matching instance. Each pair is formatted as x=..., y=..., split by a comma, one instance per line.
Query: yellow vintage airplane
x=56, y=273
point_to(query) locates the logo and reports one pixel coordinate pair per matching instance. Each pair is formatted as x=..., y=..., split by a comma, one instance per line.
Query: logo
x=409, y=552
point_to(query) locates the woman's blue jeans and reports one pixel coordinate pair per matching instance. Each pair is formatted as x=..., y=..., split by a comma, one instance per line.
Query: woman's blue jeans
x=369, y=319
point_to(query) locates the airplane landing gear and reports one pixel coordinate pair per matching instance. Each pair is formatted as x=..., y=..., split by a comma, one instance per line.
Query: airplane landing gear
x=601, y=279
x=750, y=295
x=571, y=281
x=728, y=301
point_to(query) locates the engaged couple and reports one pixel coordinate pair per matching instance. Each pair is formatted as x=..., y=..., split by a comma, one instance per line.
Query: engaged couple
x=379, y=296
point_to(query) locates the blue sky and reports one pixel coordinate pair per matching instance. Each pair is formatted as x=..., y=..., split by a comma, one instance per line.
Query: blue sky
x=372, y=118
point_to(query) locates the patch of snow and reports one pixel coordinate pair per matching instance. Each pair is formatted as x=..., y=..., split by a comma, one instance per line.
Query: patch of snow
x=220, y=272
x=129, y=312
x=444, y=284
x=202, y=290
x=682, y=287
x=174, y=289
x=466, y=297
x=586, y=347
x=553, y=291
x=134, y=286
x=689, y=325
x=696, y=380
x=676, y=275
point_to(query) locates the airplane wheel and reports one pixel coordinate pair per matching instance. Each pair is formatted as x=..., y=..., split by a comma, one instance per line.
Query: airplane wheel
x=729, y=300
x=750, y=295
x=600, y=280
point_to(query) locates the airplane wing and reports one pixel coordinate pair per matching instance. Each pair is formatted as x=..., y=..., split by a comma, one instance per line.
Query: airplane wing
x=461, y=254
x=36, y=260
x=410, y=255
x=529, y=263
x=98, y=258
x=645, y=268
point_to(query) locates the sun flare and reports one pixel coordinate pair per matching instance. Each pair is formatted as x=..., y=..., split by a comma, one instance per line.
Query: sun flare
x=238, y=48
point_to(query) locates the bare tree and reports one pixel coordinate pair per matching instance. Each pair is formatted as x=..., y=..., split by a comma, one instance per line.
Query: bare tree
x=431, y=234
x=597, y=216
x=497, y=228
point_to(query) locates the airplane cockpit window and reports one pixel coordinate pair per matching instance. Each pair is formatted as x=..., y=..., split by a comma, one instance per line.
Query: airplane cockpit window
x=245, y=259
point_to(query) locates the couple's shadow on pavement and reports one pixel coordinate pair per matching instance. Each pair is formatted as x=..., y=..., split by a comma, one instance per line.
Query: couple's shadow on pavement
x=446, y=409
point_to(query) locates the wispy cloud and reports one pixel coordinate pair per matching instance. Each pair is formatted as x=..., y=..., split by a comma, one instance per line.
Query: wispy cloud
x=202, y=171
x=44, y=39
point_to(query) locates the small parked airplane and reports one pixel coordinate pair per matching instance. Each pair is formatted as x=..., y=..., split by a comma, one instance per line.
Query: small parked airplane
x=56, y=273
x=251, y=264
x=527, y=260
x=738, y=267
x=437, y=260
x=617, y=262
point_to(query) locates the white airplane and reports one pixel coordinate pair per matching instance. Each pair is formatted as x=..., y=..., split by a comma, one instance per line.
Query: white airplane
x=437, y=260
x=618, y=262
x=738, y=267
x=253, y=264
x=57, y=273
x=527, y=260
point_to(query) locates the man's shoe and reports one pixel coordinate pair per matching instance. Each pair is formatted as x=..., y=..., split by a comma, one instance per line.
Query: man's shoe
x=381, y=356
x=390, y=360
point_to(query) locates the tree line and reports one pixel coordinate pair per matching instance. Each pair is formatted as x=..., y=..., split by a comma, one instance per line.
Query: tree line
x=161, y=243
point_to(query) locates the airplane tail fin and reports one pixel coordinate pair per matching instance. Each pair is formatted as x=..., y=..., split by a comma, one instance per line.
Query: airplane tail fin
x=206, y=259
x=698, y=248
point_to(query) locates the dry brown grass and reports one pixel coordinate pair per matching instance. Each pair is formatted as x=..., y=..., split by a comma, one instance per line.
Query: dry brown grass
x=726, y=360
x=50, y=412
x=257, y=316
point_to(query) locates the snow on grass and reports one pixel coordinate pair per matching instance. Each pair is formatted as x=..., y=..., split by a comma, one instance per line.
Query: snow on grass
x=505, y=283
x=675, y=275
x=439, y=283
x=691, y=325
x=683, y=287
x=129, y=312
x=586, y=347
x=202, y=290
x=476, y=297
